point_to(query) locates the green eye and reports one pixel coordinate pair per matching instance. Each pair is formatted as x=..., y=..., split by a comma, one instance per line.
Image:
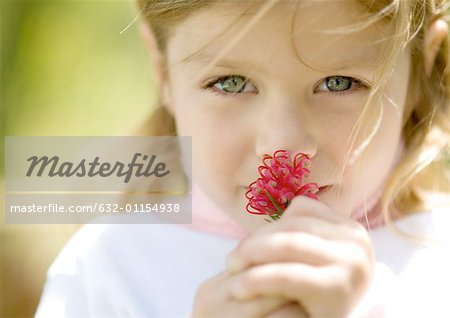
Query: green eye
x=338, y=83
x=232, y=84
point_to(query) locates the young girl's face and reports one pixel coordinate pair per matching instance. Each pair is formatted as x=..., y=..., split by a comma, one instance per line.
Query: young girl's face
x=288, y=83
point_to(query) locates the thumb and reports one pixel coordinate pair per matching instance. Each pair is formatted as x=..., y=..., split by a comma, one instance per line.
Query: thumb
x=306, y=206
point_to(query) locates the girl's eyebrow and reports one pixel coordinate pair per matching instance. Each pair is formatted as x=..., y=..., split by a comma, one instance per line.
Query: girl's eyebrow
x=202, y=58
x=364, y=61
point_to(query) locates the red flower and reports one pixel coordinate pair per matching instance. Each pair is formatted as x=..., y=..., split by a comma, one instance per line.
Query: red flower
x=282, y=179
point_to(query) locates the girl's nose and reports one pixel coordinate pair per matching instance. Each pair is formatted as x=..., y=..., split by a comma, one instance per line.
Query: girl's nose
x=284, y=128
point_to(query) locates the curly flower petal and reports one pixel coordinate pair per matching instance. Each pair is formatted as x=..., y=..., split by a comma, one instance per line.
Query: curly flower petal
x=282, y=177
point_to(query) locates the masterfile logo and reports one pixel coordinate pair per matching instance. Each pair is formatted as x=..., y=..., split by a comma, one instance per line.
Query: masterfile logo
x=53, y=167
x=79, y=179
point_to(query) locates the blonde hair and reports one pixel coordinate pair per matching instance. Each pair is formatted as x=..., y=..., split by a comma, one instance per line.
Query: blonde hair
x=426, y=131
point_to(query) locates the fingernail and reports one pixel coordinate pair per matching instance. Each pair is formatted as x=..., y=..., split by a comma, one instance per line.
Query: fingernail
x=235, y=264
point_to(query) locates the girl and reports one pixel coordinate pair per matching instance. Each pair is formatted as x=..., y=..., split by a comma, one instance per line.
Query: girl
x=362, y=88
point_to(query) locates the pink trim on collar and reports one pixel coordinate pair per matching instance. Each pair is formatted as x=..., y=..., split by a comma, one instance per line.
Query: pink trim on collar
x=208, y=217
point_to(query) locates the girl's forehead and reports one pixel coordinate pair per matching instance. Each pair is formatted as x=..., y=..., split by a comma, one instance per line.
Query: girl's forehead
x=323, y=33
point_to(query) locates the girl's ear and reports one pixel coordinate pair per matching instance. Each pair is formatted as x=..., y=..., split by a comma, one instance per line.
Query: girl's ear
x=157, y=62
x=435, y=34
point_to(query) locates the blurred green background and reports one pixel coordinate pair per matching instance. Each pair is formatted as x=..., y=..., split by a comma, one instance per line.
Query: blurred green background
x=66, y=69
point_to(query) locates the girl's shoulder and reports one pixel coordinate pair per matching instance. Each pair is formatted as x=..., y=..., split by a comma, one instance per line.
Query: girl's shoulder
x=421, y=229
x=136, y=239
x=412, y=277
x=416, y=246
x=132, y=269
x=427, y=231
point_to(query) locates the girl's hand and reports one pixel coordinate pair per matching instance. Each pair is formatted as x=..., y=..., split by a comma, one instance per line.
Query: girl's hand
x=312, y=255
x=213, y=299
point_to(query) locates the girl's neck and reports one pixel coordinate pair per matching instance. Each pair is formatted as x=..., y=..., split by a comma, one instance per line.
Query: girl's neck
x=369, y=213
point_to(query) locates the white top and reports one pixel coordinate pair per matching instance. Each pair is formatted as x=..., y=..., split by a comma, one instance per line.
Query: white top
x=154, y=270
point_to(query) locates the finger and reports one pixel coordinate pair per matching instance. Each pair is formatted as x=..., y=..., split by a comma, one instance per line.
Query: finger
x=217, y=290
x=304, y=206
x=350, y=230
x=281, y=247
x=253, y=308
x=295, y=243
x=347, y=230
x=351, y=264
x=291, y=310
x=311, y=286
x=290, y=280
x=257, y=307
